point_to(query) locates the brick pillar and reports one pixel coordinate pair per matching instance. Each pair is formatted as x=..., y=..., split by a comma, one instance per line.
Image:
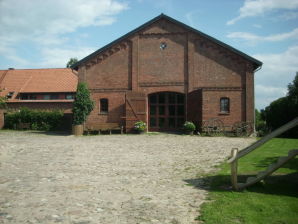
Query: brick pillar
x=135, y=64
x=249, y=96
x=82, y=73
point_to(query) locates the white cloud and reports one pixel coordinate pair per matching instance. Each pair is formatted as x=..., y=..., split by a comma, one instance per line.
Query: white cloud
x=272, y=38
x=57, y=57
x=277, y=72
x=44, y=22
x=259, y=7
x=289, y=16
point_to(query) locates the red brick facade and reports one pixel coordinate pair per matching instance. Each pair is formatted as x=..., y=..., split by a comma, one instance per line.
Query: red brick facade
x=165, y=56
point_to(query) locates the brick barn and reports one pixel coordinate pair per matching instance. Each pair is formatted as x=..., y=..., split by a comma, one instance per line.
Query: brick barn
x=45, y=89
x=164, y=73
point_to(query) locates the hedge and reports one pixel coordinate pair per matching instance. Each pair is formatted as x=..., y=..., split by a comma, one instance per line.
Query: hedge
x=38, y=119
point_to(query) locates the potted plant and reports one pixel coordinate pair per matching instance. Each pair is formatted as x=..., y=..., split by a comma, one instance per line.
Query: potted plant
x=82, y=107
x=140, y=127
x=189, y=127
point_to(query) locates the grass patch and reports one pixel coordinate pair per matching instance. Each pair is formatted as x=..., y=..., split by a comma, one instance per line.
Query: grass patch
x=273, y=201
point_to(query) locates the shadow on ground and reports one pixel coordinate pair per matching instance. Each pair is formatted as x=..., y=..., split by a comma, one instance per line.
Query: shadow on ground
x=53, y=133
x=292, y=164
x=275, y=184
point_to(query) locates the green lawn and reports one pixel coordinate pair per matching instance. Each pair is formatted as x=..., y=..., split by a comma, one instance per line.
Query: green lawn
x=273, y=201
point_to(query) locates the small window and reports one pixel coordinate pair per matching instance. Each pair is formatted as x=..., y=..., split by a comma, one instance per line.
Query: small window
x=54, y=96
x=224, y=105
x=27, y=96
x=46, y=97
x=9, y=95
x=104, y=106
x=69, y=96
x=163, y=45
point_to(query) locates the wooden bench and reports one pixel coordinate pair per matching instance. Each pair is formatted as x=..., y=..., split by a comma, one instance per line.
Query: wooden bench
x=104, y=127
x=22, y=126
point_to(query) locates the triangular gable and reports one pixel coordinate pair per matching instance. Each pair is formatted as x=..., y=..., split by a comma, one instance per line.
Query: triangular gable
x=256, y=62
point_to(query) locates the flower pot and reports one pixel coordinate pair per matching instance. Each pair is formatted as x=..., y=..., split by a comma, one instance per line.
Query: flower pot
x=78, y=130
x=188, y=132
x=139, y=132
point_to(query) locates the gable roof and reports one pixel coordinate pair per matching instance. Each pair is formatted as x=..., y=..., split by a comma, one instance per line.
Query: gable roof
x=163, y=16
x=37, y=81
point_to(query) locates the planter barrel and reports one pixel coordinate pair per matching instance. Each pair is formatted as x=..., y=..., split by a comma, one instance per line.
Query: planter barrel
x=78, y=130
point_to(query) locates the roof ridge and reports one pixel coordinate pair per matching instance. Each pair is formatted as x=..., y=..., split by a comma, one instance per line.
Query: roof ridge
x=32, y=69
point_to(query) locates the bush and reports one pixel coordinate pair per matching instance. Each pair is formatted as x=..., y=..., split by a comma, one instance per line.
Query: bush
x=189, y=126
x=140, y=126
x=279, y=112
x=39, y=120
x=82, y=105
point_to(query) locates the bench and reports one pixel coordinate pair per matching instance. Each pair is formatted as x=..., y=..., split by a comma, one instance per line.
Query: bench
x=104, y=127
x=22, y=126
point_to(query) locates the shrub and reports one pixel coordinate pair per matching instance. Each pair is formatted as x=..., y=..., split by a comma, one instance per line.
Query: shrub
x=39, y=120
x=189, y=126
x=82, y=105
x=140, y=126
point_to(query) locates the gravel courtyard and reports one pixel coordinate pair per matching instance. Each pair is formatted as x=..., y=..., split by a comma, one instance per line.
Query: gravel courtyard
x=106, y=179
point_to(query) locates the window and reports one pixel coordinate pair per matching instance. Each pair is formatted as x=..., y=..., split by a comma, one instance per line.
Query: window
x=224, y=105
x=104, y=106
x=27, y=96
x=54, y=96
x=46, y=97
x=9, y=95
x=69, y=96
x=163, y=45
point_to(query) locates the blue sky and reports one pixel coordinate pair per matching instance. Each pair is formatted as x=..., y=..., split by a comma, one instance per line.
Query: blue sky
x=46, y=33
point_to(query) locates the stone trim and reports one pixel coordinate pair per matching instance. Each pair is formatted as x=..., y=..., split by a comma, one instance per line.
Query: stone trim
x=230, y=88
x=100, y=90
x=157, y=84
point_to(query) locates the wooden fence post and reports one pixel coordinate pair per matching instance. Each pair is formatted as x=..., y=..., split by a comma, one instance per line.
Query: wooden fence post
x=234, y=168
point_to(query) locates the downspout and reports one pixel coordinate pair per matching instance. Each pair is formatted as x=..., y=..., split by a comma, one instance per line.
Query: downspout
x=259, y=68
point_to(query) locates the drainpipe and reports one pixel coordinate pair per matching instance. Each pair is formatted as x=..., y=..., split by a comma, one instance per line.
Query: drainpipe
x=259, y=68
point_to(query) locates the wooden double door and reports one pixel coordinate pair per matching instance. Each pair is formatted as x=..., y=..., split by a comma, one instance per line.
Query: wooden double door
x=166, y=111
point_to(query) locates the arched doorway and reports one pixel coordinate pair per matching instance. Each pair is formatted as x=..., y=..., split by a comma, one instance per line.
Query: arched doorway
x=166, y=111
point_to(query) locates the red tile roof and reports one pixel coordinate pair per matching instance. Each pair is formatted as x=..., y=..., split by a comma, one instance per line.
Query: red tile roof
x=37, y=81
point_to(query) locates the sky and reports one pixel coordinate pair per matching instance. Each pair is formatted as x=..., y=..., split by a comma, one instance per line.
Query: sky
x=47, y=33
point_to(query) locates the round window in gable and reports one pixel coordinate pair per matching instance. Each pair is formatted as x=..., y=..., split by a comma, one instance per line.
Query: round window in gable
x=163, y=45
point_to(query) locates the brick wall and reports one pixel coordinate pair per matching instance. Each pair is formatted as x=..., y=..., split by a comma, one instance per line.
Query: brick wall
x=211, y=105
x=116, y=112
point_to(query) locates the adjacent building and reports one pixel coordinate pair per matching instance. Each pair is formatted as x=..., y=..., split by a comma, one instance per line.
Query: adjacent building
x=46, y=89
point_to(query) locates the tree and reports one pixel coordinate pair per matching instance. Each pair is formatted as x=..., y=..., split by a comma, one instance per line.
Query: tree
x=293, y=89
x=82, y=105
x=71, y=62
x=2, y=102
x=283, y=110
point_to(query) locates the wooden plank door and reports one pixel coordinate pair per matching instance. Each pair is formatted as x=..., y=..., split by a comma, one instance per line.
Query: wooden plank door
x=135, y=109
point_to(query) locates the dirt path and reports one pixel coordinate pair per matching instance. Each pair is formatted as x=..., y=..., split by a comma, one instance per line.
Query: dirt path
x=105, y=179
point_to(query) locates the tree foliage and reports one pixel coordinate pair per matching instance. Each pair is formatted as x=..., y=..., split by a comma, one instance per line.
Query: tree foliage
x=261, y=127
x=283, y=110
x=83, y=105
x=293, y=89
x=71, y=62
x=2, y=102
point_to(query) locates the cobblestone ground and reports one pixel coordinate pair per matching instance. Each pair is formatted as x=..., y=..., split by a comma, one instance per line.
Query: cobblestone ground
x=105, y=179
